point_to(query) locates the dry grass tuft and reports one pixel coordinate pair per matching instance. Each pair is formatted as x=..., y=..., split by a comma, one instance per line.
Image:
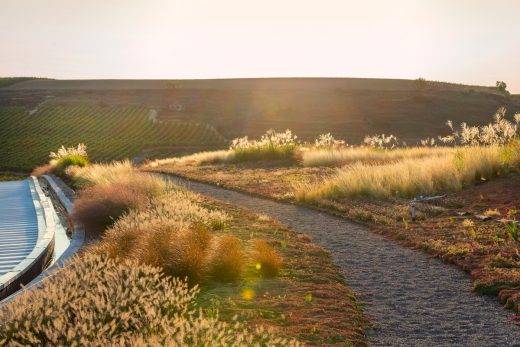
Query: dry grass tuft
x=106, y=303
x=208, y=157
x=492, y=213
x=181, y=251
x=410, y=177
x=227, y=261
x=173, y=231
x=98, y=207
x=109, y=191
x=101, y=174
x=42, y=170
x=267, y=260
x=340, y=157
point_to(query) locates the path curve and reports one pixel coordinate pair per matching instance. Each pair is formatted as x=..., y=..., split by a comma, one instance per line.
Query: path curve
x=412, y=298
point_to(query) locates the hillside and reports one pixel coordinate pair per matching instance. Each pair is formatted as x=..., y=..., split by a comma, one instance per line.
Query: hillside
x=110, y=133
x=347, y=107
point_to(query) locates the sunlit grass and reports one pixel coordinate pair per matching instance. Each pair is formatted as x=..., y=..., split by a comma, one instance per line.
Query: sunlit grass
x=209, y=157
x=413, y=176
x=100, y=302
x=340, y=157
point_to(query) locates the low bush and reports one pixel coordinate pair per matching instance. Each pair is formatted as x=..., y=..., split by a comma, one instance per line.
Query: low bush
x=63, y=159
x=101, y=174
x=267, y=260
x=382, y=141
x=98, y=302
x=98, y=207
x=42, y=170
x=227, y=260
x=327, y=141
x=61, y=164
x=67, y=157
x=174, y=232
x=109, y=191
x=500, y=132
x=271, y=146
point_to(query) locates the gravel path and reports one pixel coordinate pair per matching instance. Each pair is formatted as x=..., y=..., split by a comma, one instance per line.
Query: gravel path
x=411, y=298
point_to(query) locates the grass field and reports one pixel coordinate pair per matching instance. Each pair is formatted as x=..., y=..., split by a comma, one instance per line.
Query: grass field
x=109, y=133
x=8, y=81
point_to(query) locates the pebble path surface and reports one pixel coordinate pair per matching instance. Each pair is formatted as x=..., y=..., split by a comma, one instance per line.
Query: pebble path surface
x=412, y=299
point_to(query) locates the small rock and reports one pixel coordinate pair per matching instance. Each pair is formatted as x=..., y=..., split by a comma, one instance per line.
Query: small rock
x=482, y=217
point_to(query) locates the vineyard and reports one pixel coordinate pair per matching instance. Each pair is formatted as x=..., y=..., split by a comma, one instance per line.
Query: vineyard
x=110, y=133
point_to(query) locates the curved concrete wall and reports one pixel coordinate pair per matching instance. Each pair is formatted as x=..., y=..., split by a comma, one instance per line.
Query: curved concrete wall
x=41, y=255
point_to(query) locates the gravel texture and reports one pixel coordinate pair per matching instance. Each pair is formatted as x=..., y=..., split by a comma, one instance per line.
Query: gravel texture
x=411, y=298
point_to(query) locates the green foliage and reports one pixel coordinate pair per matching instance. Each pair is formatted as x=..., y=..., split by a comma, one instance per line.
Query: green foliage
x=511, y=153
x=70, y=160
x=512, y=230
x=110, y=133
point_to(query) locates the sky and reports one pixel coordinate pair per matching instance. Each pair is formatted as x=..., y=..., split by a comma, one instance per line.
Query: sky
x=463, y=41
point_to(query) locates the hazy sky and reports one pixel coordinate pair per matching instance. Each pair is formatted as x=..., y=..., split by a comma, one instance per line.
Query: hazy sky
x=467, y=41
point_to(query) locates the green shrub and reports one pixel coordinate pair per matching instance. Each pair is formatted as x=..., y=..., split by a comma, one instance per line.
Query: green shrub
x=69, y=160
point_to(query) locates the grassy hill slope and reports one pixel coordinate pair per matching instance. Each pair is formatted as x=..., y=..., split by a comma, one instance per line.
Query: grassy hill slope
x=347, y=107
x=110, y=133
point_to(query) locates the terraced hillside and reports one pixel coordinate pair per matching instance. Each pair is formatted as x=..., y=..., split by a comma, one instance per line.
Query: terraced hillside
x=110, y=133
x=347, y=107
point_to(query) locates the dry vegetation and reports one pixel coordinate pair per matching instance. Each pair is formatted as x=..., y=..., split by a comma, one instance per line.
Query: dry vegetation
x=406, y=178
x=151, y=233
x=372, y=184
x=344, y=156
x=104, y=302
x=150, y=220
x=62, y=159
x=270, y=146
